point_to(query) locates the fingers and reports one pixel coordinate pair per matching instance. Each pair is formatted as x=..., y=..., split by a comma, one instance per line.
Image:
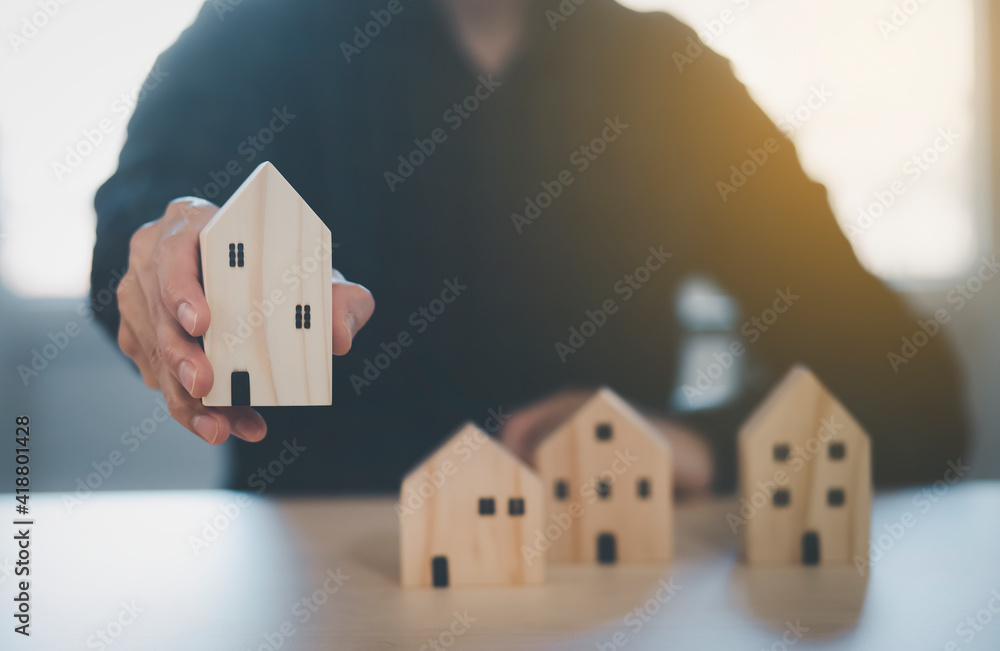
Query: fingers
x=185, y=409
x=244, y=423
x=173, y=347
x=165, y=261
x=130, y=346
x=353, y=305
x=182, y=354
x=178, y=263
x=210, y=424
x=163, y=308
x=213, y=425
x=160, y=352
x=131, y=308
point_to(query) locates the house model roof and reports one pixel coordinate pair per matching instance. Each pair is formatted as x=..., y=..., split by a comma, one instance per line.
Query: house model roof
x=607, y=396
x=265, y=186
x=800, y=392
x=467, y=429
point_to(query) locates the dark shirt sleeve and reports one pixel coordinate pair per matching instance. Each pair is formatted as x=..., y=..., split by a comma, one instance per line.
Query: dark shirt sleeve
x=206, y=95
x=775, y=235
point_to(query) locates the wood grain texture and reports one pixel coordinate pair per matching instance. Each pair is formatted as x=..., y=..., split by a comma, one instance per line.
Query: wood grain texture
x=439, y=515
x=642, y=526
x=804, y=417
x=254, y=326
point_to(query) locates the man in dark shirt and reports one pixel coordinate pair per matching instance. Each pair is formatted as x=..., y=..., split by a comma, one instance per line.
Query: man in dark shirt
x=498, y=173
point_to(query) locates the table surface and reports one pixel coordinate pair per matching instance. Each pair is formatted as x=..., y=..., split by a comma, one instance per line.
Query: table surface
x=124, y=565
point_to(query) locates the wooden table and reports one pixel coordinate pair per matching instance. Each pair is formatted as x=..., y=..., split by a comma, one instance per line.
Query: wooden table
x=323, y=574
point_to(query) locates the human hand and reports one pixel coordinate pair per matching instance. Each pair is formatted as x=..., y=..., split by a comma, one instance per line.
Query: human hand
x=164, y=310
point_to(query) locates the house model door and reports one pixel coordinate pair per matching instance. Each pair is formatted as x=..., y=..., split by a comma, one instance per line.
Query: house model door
x=439, y=571
x=606, y=549
x=810, y=548
x=240, y=388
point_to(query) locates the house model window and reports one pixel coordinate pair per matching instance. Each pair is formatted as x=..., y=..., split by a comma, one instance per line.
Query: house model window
x=303, y=317
x=781, y=497
x=604, y=432
x=603, y=489
x=835, y=497
x=236, y=255
x=642, y=488
x=781, y=452
x=837, y=451
x=515, y=506
x=487, y=506
x=561, y=489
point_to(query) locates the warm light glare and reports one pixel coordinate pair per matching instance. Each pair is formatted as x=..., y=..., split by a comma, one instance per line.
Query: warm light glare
x=886, y=96
x=880, y=95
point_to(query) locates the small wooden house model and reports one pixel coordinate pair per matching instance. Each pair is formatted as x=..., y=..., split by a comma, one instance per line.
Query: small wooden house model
x=805, y=476
x=267, y=272
x=467, y=513
x=611, y=472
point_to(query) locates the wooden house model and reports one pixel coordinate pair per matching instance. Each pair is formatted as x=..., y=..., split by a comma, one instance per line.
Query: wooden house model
x=612, y=472
x=267, y=272
x=805, y=474
x=467, y=514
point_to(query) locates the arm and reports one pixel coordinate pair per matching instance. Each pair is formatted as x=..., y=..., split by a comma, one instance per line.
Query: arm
x=197, y=106
x=777, y=233
x=193, y=134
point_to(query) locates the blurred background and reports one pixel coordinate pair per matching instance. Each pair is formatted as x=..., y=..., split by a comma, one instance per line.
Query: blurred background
x=862, y=87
